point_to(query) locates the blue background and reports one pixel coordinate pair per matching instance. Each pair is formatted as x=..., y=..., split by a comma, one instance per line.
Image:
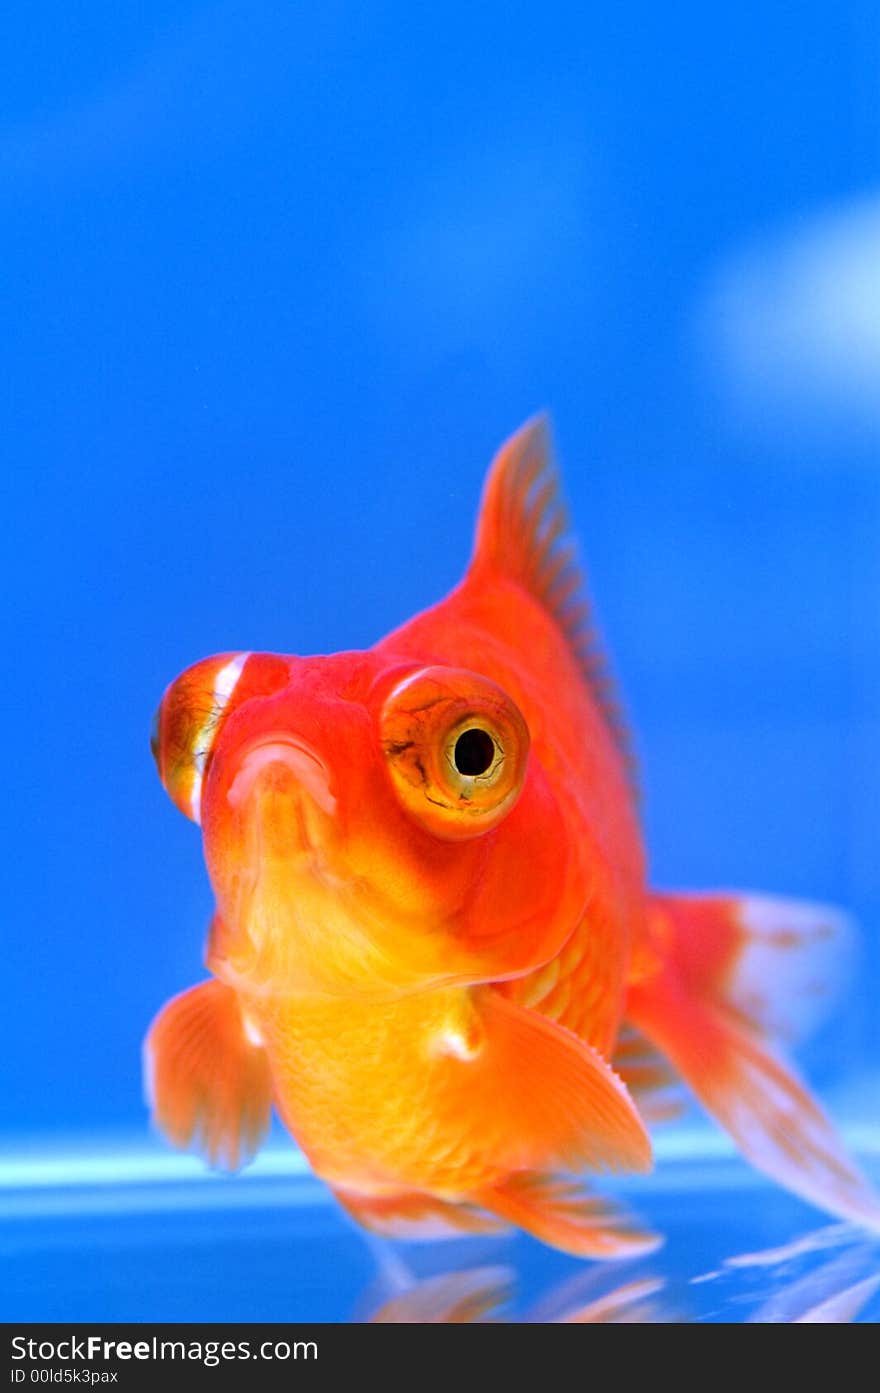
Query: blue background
x=275, y=282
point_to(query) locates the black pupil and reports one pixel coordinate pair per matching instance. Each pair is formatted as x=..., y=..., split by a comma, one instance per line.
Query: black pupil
x=474, y=752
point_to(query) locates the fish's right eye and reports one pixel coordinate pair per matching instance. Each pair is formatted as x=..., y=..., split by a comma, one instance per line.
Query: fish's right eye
x=192, y=712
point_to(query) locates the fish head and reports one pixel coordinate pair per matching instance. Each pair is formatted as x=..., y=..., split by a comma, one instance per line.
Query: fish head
x=371, y=828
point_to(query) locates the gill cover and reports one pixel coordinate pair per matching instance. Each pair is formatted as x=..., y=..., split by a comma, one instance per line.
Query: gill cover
x=456, y=748
x=192, y=712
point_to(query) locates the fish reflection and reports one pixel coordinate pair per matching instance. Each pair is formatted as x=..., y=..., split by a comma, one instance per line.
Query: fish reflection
x=489, y=1292
x=829, y=1275
x=452, y=1298
x=826, y=1276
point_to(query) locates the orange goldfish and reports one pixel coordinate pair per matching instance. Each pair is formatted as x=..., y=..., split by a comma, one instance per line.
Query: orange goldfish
x=435, y=952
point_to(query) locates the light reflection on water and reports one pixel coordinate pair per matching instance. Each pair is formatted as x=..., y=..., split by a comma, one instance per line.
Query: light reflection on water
x=790, y=1284
x=168, y=1242
x=592, y=1297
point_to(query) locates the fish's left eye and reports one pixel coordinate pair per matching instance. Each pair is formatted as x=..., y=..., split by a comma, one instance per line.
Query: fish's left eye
x=456, y=747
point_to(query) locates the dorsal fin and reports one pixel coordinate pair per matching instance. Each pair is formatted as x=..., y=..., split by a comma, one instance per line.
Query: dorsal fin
x=523, y=533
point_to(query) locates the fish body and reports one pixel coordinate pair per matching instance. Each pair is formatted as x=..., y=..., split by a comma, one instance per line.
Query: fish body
x=435, y=951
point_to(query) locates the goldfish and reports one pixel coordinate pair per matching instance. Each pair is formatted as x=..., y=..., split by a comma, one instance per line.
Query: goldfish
x=435, y=951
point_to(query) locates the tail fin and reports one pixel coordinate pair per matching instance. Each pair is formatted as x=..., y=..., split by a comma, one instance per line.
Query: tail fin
x=778, y=964
x=733, y=977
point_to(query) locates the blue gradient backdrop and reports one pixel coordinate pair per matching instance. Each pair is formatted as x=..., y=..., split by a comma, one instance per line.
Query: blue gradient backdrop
x=275, y=281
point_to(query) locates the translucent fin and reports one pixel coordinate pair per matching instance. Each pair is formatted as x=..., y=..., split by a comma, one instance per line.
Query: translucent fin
x=561, y=1212
x=207, y=1081
x=779, y=963
x=523, y=533
x=419, y=1217
x=659, y=1093
x=692, y=1009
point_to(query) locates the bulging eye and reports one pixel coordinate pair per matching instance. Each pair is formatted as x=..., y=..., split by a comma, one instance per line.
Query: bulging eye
x=192, y=713
x=456, y=747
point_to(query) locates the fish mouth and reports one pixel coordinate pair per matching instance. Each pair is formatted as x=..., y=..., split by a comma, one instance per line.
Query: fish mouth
x=285, y=813
x=298, y=916
x=264, y=761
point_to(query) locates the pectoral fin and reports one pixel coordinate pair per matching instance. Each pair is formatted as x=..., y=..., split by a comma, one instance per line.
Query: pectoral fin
x=207, y=1080
x=533, y=1096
